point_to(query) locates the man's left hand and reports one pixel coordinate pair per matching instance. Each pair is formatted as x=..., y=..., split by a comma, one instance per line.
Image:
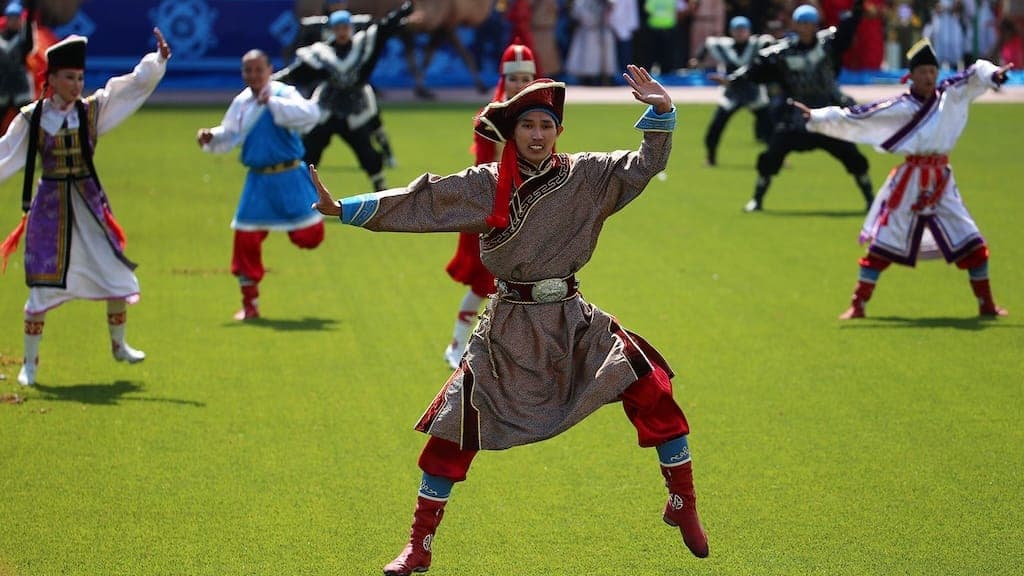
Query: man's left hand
x=648, y=90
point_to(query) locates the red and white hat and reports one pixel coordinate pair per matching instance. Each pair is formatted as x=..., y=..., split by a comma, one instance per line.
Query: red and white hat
x=516, y=59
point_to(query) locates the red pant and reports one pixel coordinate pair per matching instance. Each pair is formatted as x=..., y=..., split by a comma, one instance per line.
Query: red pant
x=247, y=257
x=648, y=404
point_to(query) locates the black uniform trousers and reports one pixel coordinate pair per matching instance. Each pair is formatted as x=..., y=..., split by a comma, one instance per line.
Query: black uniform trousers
x=783, y=141
x=371, y=160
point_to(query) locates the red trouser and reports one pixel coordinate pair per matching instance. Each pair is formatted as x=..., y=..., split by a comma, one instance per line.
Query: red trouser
x=247, y=257
x=648, y=404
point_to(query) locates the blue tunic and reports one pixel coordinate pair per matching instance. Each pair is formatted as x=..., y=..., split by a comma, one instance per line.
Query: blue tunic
x=274, y=198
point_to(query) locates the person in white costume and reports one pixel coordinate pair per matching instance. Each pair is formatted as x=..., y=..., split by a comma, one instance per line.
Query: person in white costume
x=918, y=211
x=74, y=248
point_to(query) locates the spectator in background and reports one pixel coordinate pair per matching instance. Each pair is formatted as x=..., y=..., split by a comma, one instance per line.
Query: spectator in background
x=661, y=19
x=519, y=14
x=906, y=21
x=946, y=33
x=868, y=46
x=1010, y=46
x=979, y=22
x=15, y=45
x=545, y=23
x=625, y=21
x=592, y=58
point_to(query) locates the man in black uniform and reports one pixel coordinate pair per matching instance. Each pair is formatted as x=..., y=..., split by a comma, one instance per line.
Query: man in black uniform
x=805, y=67
x=16, y=43
x=338, y=70
x=732, y=52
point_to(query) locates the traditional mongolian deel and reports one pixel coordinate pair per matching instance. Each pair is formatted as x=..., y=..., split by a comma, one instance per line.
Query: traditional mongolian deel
x=920, y=194
x=581, y=358
x=73, y=248
x=277, y=192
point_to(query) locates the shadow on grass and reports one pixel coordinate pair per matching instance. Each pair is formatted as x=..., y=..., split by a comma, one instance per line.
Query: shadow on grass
x=971, y=323
x=287, y=324
x=104, y=394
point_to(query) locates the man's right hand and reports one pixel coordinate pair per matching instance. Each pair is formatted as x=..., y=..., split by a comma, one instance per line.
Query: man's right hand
x=324, y=203
x=204, y=137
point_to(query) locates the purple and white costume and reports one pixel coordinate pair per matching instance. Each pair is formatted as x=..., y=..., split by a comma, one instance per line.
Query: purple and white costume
x=921, y=194
x=71, y=249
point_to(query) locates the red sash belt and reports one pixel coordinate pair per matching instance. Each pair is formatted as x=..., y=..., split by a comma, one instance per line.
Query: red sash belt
x=933, y=175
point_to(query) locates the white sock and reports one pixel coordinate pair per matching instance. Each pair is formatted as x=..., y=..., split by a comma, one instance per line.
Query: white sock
x=117, y=318
x=468, y=310
x=33, y=335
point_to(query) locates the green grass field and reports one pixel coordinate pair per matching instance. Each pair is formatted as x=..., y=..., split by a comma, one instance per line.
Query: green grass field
x=285, y=446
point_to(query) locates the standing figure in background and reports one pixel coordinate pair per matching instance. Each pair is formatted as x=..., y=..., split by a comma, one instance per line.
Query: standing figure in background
x=267, y=119
x=545, y=48
x=662, y=19
x=74, y=248
x=946, y=33
x=805, y=67
x=343, y=68
x=518, y=68
x=732, y=52
x=624, y=20
x=542, y=358
x=16, y=43
x=919, y=208
x=592, y=58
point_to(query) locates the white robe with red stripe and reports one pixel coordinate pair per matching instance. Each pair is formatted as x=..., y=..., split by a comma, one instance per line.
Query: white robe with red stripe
x=910, y=216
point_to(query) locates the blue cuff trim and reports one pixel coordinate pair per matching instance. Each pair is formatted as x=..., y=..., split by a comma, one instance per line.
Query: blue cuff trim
x=979, y=273
x=651, y=121
x=357, y=210
x=869, y=275
x=674, y=452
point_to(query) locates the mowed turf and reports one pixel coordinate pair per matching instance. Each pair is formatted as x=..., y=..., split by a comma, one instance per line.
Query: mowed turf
x=889, y=445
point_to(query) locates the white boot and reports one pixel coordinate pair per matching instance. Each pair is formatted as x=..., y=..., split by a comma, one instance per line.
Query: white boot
x=27, y=375
x=125, y=353
x=117, y=318
x=464, y=320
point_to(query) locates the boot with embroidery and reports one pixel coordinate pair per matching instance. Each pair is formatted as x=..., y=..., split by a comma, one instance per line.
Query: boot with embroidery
x=860, y=298
x=986, y=304
x=415, y=557
x=681, y=508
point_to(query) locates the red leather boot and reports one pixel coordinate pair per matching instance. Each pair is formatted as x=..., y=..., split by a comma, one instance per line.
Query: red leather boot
x=986, y=304
x=415, y=557
x=681, y=509
x=250, y=301
x=861, y=295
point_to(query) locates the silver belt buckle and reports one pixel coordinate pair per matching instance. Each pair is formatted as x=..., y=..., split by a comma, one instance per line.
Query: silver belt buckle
x=549, y=290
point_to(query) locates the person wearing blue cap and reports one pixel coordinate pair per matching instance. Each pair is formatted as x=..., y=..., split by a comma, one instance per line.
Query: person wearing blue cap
x=731, y=53
x=919, y=211
x=804, y=66
x=16, y=43
x=339, y=70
